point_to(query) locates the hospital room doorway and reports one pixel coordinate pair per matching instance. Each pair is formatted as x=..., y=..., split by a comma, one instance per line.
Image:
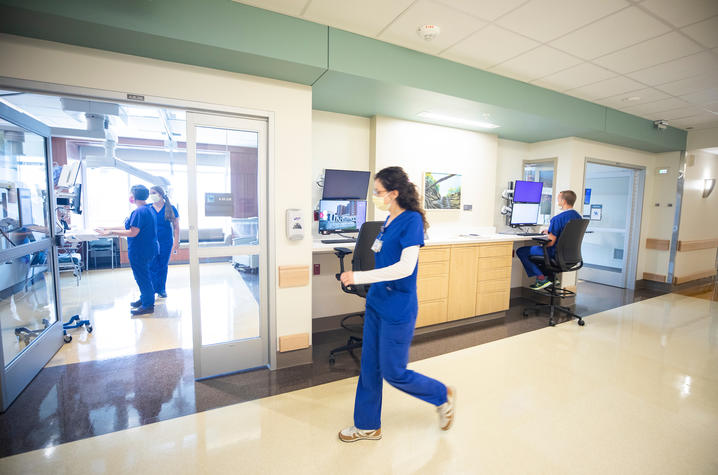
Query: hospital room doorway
x=613, y=202
x=213, y=171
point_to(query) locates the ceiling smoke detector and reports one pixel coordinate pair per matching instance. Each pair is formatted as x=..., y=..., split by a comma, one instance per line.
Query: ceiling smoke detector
x=428, y=32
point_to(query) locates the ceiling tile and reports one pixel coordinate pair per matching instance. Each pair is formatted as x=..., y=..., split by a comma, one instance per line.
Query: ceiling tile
x=545, y=20
x=690, y=85
x=682, y=12
x=649, y=53
x=612, y=33
x=487, y=9
x=489, y=46
x=703, y=97
x=712, y=107
x=536, y=63
x=645, y=95
x=575, y=76
x=367, y=17
x=657, y=106
x=609, y=87
x=682, y=112
x=705, y=32
x=694, y=65
x=699, y=121
x=455, y=25
x=288, y=7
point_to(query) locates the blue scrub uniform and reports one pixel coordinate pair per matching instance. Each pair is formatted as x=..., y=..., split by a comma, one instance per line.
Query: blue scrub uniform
x=391, y=309
x=141, y=249
x=165, y=238
x=556, y=226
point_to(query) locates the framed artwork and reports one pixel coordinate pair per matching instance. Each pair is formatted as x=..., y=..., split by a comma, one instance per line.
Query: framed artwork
x=442, y=191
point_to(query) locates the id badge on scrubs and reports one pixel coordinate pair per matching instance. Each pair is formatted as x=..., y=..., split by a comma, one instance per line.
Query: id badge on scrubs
x=376, y=247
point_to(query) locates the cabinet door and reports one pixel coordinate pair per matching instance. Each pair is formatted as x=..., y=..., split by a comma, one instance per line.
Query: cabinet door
x=431, y=312
x=490, y=302
x=463, y=274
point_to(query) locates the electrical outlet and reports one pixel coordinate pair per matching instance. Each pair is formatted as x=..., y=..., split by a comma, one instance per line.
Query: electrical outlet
x=316, y=269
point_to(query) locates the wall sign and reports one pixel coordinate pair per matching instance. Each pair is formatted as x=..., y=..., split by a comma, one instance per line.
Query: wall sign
x=596, y=212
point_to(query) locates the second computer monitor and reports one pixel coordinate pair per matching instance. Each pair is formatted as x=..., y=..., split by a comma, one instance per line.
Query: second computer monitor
x=341, y=216
x=527, y=191
x=524, y=214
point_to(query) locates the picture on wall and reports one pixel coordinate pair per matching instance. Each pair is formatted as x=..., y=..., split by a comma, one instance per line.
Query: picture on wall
x=442, y=191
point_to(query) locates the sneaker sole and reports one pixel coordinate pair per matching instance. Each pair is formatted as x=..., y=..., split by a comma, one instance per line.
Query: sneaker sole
x=453, y=416
x=543, y=286
x=348, y=441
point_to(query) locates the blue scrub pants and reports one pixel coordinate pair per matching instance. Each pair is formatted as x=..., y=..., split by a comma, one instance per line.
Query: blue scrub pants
x=158, y=267
x=141, y=271
x=385, y=354
x=523, y=253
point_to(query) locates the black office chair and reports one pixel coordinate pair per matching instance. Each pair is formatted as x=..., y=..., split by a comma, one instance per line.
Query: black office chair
x=363, y=259
x=567, y=258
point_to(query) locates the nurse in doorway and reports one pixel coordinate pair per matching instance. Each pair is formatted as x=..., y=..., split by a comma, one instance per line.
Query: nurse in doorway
x=391, y=310
x=141, y=233
x=167, y=219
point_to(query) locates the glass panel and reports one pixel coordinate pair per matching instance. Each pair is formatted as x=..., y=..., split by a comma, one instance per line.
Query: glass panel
x=542, y=172
x=27, y=301
x=227, y=187
x=229, y=296
x=23, y=187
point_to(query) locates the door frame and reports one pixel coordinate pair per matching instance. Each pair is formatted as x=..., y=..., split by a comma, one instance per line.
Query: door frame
x=135, y=98
x=25, y=366
x=217, y=359
x=638, y=198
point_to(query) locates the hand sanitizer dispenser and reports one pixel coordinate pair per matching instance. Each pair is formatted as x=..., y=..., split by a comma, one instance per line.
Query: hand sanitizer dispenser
x=295, y=225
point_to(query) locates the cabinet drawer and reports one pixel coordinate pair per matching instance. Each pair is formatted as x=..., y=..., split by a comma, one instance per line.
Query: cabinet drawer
x=489, y=286
x=433, y=255
x=496, y=250
x=492, y=302
x=431, y=313
x=494, y=262
x=494, y=273
x=428, y=269
x=432, y=288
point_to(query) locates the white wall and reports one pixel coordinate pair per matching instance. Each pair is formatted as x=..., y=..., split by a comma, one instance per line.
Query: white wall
x=29, y=59
x=702, y=138
x=338, y=141
x=420, y=148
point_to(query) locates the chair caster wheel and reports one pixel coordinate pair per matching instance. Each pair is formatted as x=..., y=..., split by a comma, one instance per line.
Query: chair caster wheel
x=551, y=323
x=332, y=360
x=526, y=313
x=89, y=328
x=67, y=338
x=581, y=323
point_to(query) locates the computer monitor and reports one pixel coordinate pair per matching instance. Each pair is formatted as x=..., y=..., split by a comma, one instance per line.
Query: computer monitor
x=527, y=191
x=341, y=216
x=524, y=214
x=345, y=184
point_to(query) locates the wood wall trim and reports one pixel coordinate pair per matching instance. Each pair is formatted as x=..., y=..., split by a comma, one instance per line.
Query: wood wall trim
x=688, y=278
x=297, y=341
x=697, y=245
x=654, y=277
x=658, y=244
x=293, y=276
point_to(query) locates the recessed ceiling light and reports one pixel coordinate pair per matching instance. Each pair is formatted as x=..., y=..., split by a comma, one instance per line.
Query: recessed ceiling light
x=631, y=99
x=457, y=120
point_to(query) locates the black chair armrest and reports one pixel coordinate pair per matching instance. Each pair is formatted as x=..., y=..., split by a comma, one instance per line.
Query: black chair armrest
x=545, y=245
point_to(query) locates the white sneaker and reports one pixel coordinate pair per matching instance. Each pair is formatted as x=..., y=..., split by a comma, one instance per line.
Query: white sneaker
x=352, y=434
x=446, y=411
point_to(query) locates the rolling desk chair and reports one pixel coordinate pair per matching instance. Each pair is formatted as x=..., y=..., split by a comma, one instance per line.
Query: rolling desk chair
x=567, y=258
x=363, y=259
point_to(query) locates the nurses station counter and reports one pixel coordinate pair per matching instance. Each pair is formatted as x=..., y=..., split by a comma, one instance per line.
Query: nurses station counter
x=459, y=277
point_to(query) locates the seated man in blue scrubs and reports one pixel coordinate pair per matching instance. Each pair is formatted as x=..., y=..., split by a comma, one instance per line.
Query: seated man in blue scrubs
x=566, y=200
x=142, y=247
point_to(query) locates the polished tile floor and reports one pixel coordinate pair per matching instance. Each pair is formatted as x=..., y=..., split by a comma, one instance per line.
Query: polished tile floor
x=634, y=391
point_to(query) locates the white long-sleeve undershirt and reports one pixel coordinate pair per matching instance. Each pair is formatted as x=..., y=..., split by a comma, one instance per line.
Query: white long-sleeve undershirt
x=404, y=268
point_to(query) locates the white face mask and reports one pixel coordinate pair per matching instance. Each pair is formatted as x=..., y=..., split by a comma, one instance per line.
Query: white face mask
x=379, y=203
x=154, y=198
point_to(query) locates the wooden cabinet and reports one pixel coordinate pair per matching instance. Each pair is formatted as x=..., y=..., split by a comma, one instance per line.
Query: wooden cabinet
x=462, y=281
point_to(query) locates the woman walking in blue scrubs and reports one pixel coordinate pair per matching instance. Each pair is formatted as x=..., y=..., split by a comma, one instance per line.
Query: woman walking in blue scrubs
x=391, y=310
x=166, y=218
x=141, y=233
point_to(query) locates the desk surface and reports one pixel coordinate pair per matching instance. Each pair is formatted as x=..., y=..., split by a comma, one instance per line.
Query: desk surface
x=319, y=247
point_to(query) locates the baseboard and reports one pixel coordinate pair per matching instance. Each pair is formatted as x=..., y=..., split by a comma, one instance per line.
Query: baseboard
x=294, y=358
x=699, y=286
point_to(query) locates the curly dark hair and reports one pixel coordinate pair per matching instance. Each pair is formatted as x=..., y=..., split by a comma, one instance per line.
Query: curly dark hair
x=395, y=178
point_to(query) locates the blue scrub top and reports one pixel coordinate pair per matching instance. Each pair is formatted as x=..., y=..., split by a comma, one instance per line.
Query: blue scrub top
x=144, y=245
x=396, y=300
x=164, y=227
x=559, y=222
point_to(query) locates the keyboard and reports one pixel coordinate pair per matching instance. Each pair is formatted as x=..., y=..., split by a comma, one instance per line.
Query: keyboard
x=530, y=234
x=337, y=241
